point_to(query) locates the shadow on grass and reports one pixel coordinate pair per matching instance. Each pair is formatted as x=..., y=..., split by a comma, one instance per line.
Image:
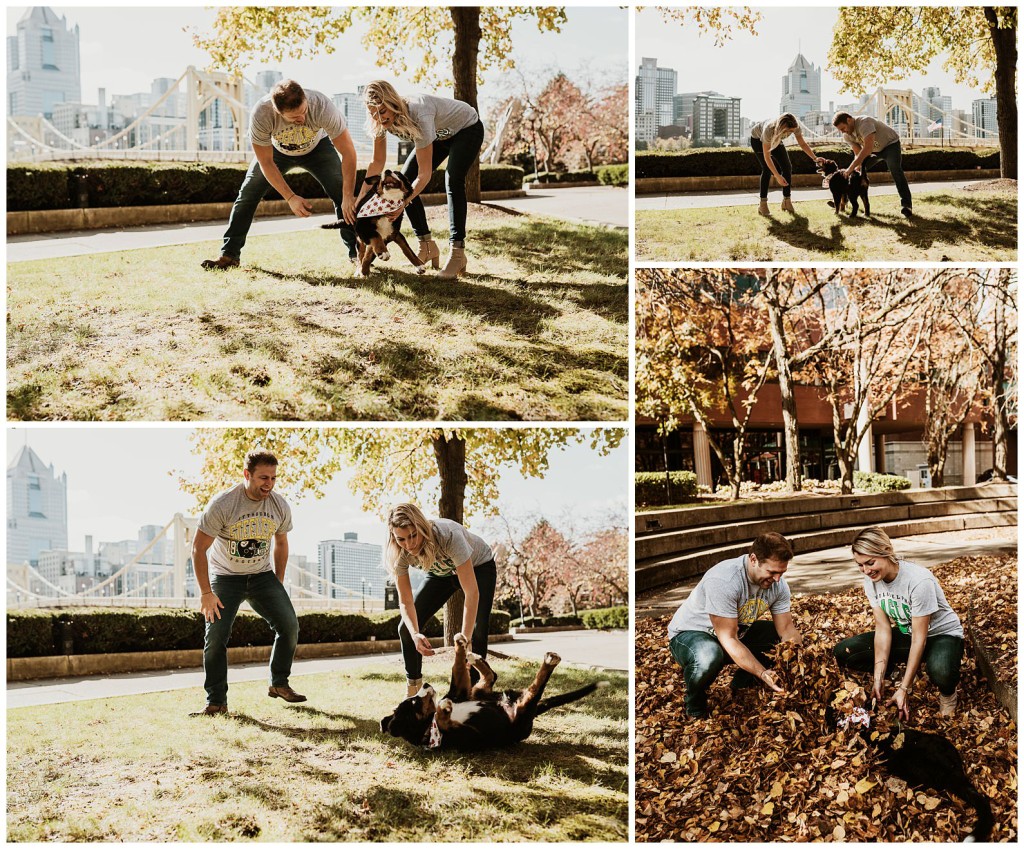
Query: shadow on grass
x=990, y=223
x=534, y=247
x=797, y=233
x=23, y=401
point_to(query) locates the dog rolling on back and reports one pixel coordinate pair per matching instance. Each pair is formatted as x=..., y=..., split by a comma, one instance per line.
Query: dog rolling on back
x=374, y=229
x=472, y=717
x=918, y=757
x=853, y=189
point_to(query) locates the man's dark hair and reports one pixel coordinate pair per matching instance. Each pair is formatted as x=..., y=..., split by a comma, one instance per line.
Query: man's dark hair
x=259, y=457
x=841, y=118
x=287, y=95
x=771, y=546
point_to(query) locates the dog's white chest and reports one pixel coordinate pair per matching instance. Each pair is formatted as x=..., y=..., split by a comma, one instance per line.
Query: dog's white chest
x=462, y=712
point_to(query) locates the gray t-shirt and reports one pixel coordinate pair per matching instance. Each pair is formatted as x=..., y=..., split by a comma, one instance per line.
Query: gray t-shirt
x=323, y=120
x=439, y=118
x=725, y=590
x=914, y=592
x=242, y=530
x=864, y=125
x=769, y=131
x=455, y=545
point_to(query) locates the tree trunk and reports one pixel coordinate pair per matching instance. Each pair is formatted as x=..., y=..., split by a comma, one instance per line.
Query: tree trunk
x=466, y=20
x=451, y=466
x=1004, y=41
x=790, y=426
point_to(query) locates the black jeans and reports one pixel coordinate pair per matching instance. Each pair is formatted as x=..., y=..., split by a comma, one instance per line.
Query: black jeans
x=461, y=151
x=431, y=598
x=942, y=656
x=780, y=156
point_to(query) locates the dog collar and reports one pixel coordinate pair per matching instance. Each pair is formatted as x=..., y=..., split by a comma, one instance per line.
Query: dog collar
x=378, y=205
x=859, y=717
x=432, y=739
x=825, y=180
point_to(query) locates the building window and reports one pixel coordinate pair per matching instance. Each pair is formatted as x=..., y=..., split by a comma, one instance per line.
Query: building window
x=35, y=498
x=49, y=50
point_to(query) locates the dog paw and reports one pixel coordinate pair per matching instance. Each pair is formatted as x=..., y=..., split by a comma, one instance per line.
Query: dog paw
x=421, y=269
x=552, y=659
x=461, y=641
x=445, y=706
x=384, y=255
x=473, y=657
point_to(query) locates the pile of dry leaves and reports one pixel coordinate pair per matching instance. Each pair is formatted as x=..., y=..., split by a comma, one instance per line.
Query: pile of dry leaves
x=764, y=767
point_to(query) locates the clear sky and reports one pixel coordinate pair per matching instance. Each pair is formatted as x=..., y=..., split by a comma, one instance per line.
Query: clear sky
x=120, y=478
x=124, y=48
x=752, y=67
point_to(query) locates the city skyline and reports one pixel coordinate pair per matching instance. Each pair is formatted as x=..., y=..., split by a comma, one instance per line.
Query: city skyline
x=103, y=502
x=782, y=35
x=593, y=41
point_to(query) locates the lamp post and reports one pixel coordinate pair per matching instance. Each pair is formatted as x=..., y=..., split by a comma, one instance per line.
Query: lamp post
x=531, y=116
x=363, y=582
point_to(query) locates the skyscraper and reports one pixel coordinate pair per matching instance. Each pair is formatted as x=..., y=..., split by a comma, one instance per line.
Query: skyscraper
x=37, y=508
x=655, y=90
x=801, y=88
x=983, y=116
x=353, y=565
x=43, y=64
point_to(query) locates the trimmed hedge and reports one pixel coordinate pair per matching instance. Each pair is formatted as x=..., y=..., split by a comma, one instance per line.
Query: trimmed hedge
x=739, y=161
x=562, y=177
x=613, y=175
x=649, y=488
x=874, y=482
x=604, y=618
x=115, y=184
x=546, y=621
x=91, y=630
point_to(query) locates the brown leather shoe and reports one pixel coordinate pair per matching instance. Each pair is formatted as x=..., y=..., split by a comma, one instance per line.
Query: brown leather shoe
x=211, y=710
x=221, y=262
x=286, y=693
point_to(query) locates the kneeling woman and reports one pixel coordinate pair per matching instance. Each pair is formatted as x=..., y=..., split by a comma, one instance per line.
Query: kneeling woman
x=440, y=128
x=913, y=623
x=452, y=557
x=766, y=140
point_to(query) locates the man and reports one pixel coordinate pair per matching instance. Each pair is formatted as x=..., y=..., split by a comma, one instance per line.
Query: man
x=868, y=136
x=233, y=541
x=718, y=623
x=293, y=128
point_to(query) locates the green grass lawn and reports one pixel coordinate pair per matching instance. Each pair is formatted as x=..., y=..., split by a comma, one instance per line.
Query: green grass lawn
x=537, y=331
x=974, y=226
x=139, y=768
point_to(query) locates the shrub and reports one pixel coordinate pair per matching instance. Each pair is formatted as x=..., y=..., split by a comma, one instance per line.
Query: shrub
x=874, y=482
x=649, y=488
x=605, y=618
x=547, y=621
x=106, y=184
x=562, y=177
x=30, y=633
x=613, y=175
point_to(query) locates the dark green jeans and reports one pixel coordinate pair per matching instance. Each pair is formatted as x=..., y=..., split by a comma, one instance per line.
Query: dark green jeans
x=942, y=656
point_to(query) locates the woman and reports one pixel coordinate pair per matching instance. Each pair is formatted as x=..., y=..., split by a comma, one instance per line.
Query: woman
x=766, y=140
x=452, y=557
x=913, y=623
x=440, y=128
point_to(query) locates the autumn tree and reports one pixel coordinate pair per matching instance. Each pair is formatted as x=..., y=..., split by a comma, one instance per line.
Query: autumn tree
x=700, y=354
x=872, y=45
x=719, y=22
x=478, y=38
x=392, y=464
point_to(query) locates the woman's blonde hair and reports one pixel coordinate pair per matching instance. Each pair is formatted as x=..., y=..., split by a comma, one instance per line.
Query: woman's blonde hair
x=874, y=542
x=381, y=93
x=408, y=515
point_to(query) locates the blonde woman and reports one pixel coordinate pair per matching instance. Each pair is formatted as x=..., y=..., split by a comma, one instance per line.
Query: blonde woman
x=453, y=558
x=913, y=624
x=766, y=140
x=440, y=128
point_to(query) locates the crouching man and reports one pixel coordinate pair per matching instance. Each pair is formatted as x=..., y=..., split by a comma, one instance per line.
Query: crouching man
x=719, y=622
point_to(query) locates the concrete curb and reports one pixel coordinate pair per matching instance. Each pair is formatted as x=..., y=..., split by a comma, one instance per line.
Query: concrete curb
x=589, y=184
x=667, y=185
x=62, y=220
x=76, y=665
x=548, y=629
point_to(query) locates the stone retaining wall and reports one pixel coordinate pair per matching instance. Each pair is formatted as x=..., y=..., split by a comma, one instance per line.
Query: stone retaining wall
x=672, y=545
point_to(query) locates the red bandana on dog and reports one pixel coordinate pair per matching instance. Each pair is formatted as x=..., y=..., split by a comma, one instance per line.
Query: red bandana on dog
x=378, y=205
x=432, y=739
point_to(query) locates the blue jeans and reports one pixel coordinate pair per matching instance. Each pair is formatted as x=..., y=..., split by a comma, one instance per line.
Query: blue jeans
x=780, y=156
x=269, y=599
x=431, y=598
x=322, y=162
x=942, y=656
x=893, y=156
x=461, y=151
x=703, y=658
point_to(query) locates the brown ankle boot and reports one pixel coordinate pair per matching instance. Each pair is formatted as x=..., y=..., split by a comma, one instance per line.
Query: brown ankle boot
x=428, y=252
x=455, y=264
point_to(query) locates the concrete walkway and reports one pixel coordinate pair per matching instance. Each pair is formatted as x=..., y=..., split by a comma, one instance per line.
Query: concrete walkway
x=594, y=649
x=833, y=570
x=601, y=205
x=703, y=200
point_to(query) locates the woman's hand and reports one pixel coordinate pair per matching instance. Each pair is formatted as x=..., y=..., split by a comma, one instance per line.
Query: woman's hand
x=782, y=180
x=902, y=701
x=422, y=644
x=878, y=691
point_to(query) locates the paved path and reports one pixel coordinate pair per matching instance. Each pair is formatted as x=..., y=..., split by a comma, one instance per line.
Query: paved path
x=833, y=571
x=598, y=649
x=600, y=205
x=702, y=200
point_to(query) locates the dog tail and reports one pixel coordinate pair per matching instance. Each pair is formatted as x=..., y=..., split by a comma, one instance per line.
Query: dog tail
x=565, y=698
x=983, y=826
x=335, y=225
